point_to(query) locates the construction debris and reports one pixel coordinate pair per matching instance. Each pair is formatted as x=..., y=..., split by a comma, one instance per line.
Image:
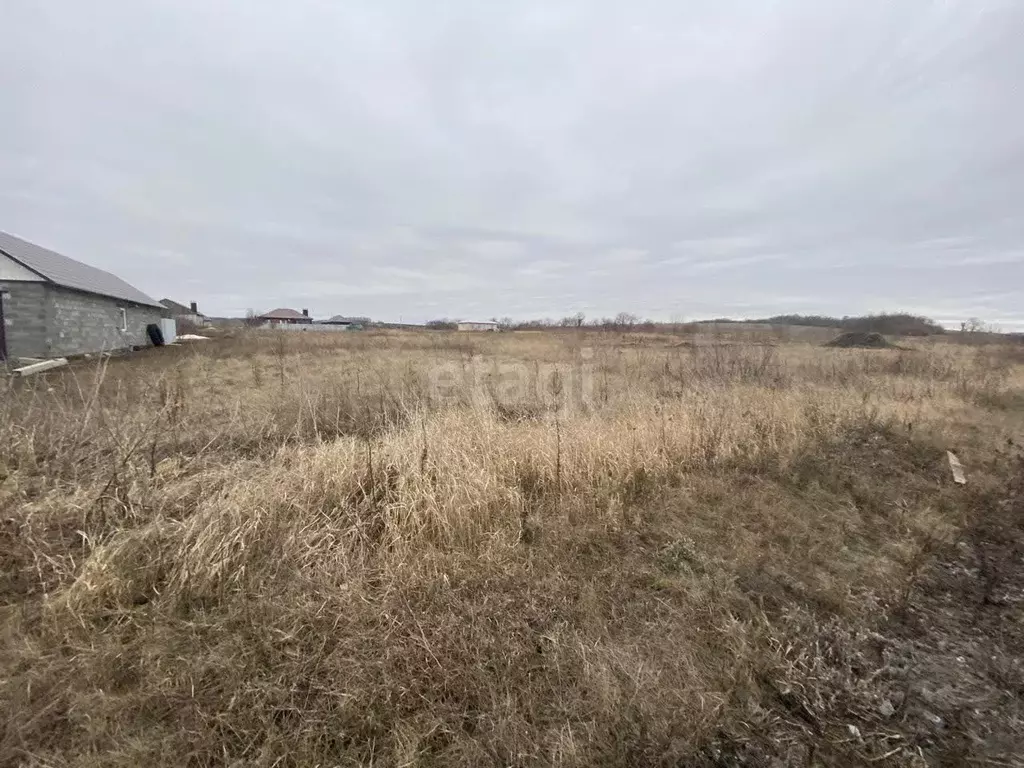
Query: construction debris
x=192, y=337
x=45, y=365
x=956, y=468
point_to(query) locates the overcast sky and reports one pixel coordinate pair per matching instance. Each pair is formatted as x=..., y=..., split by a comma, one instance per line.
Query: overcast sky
x=466, y=158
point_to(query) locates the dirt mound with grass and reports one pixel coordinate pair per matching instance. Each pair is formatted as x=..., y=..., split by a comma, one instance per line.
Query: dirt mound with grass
x=861, y=340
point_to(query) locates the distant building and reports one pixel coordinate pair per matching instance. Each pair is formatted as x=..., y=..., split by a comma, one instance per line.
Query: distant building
x=52, y=306
x=183, y=314
x=477, y=325
x=350, y=323
x=286, y=317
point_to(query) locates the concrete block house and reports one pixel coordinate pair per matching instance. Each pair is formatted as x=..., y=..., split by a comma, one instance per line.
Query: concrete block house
x=53, y=306
x=189, y=315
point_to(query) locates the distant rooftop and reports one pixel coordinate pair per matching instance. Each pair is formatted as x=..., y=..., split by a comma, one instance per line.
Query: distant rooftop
x=180, y=309
x=283, y=313
x=341, y=319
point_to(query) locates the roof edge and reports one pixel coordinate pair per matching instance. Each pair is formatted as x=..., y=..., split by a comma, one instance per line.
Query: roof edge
x=154, y=304
x=18, y=261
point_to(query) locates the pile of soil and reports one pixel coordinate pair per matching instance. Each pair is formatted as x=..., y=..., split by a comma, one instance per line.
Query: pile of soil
x=861, y=340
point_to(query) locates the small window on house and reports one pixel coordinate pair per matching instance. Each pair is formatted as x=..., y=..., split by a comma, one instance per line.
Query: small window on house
x=124, y=318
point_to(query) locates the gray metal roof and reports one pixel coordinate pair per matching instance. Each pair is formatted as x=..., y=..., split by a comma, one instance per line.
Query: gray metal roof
x=174, y=306
x=181, y=309
x=69, y=273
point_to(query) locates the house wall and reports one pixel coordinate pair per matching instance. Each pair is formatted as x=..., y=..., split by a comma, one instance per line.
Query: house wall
x=191, y=318
x=197, y=320
x=25, y=318
x=289, y=321
x=83, y=322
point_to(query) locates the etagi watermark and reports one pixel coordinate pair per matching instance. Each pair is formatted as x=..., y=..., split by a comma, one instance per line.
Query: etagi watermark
x=568, y=385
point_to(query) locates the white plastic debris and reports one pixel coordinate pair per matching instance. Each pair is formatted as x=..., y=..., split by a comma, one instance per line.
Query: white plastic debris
x=45, y=365
x=956, y=468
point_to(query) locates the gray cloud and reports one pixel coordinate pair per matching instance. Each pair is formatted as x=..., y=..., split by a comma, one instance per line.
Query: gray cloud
x=398, y=158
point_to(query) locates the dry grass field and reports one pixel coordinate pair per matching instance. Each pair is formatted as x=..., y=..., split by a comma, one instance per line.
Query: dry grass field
x=517, y=549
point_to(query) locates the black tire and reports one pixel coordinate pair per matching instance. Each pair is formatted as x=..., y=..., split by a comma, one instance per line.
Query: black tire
x=156, y=336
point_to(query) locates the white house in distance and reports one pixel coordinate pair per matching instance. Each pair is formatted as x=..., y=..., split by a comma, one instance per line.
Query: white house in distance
x=285, y=316
x=477, y=325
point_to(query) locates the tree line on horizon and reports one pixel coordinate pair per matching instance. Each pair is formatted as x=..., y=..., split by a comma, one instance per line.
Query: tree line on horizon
x=892, y=324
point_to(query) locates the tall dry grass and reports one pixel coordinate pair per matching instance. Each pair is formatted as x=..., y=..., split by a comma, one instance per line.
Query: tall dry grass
x=414, y=549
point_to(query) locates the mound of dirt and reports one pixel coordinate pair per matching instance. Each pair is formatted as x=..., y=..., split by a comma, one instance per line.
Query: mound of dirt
x=861, y=340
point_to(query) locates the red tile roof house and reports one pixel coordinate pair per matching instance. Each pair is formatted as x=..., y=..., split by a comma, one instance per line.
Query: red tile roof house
x=285, y=317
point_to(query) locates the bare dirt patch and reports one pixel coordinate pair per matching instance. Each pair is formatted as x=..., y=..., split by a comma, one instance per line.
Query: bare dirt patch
x=931, y=675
